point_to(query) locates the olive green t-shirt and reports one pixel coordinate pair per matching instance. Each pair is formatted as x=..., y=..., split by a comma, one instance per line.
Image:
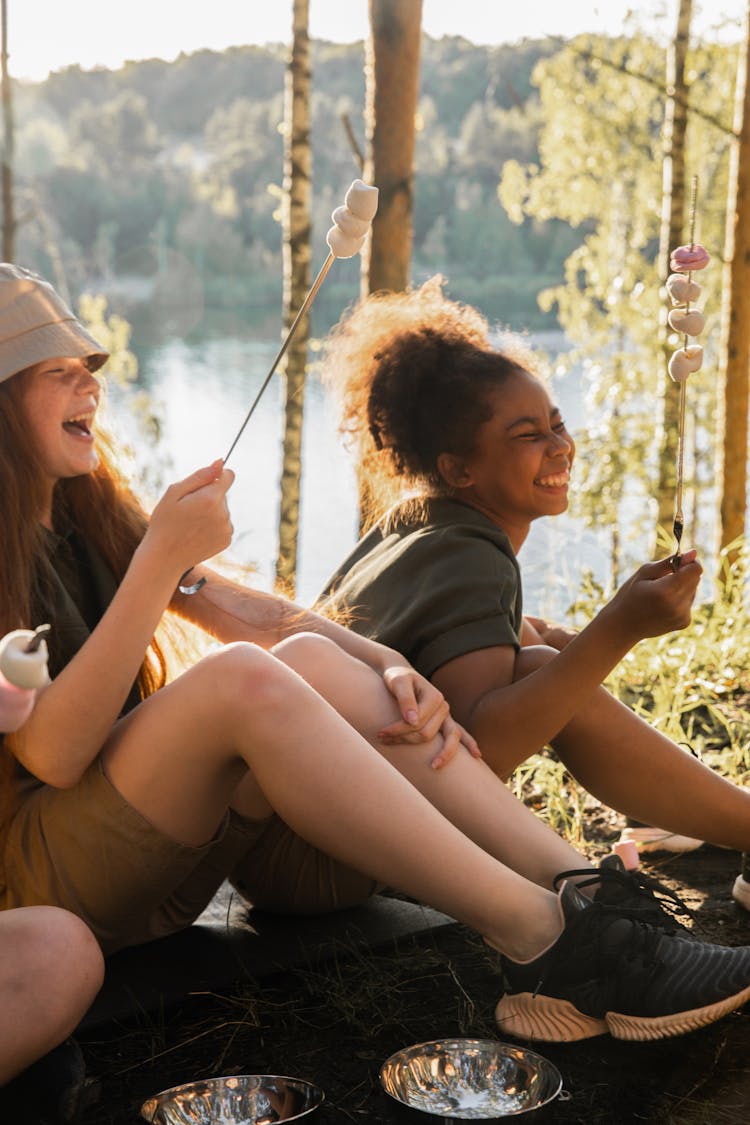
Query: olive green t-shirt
x=73, y=588
x=434, y=588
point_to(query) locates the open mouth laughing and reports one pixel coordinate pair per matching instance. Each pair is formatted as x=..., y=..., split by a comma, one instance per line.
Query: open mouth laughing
x=80, y=425
x=554, y=480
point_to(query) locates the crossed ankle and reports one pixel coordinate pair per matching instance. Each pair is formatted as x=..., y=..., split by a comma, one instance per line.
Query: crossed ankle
x=524, y=947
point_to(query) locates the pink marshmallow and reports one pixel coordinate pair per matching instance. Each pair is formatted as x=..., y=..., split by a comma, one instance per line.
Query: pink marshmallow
x=16, y=704
x=687, y=258
x=627, y=850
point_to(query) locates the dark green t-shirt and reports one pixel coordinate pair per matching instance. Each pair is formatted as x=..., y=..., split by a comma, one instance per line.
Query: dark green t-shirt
x=73, y=588
x=434, y=588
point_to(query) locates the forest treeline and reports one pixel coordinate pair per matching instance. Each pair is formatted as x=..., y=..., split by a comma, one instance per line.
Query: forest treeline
x=538, y=193
x=116, y=167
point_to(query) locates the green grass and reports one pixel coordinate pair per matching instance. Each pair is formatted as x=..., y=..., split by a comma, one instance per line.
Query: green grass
x=693, y=686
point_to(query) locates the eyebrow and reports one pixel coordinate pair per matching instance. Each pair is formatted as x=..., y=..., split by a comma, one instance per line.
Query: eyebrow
x=531, y=420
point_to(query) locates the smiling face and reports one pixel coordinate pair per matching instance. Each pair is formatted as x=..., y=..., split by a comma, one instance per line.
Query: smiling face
x=59, y=398
x=519, y=468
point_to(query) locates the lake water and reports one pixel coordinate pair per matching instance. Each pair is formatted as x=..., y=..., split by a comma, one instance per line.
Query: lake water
x=202, y=390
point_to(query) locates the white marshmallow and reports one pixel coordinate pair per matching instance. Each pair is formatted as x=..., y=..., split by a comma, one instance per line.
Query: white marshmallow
x=343, y=245
x=685, y=361
x=349, y=223
x=19, y=667
x=690, y=322
x=362, y=200
x=681, y=289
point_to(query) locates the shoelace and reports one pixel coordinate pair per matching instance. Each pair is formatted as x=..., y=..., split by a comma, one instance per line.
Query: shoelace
x=662, y=910
x=595, y=920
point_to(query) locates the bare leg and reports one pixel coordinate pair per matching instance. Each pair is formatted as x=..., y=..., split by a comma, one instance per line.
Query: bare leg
x=241, y=715
x=466, y=791
x=50, y=971
x=627, y=764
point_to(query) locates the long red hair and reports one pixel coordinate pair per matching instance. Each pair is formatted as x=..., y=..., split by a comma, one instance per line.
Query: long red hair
x=100, y=505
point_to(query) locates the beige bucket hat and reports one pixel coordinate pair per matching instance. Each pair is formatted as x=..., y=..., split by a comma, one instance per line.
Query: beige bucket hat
x=35, y=324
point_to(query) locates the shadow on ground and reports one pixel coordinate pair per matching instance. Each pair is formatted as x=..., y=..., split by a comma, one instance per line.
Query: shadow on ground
x=335, y=1012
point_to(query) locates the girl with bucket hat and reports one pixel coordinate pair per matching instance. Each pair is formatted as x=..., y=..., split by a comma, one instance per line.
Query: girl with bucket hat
x=308, y=764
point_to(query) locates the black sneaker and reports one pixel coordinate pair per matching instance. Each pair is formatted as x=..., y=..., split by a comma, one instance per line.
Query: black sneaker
x=634, y=893
x=611, y=972
x=53, y=1091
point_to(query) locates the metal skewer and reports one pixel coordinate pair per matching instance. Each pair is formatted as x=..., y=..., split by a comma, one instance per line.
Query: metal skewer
x=192, y=588
x=345, y=238
x=39, y=634
x=287, y=340
x=678, y=525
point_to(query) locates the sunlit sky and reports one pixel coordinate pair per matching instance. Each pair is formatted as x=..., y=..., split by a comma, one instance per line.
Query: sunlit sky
x=46, y=35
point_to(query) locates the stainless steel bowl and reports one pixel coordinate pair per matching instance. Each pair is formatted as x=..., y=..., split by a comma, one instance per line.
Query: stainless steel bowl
x=470, y=1078
x=240, y=1099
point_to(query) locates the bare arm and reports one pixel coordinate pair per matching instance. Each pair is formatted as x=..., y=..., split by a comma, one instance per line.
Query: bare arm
x=232, y=612
x=529, y=711
x=538, y=631
x=74, y=714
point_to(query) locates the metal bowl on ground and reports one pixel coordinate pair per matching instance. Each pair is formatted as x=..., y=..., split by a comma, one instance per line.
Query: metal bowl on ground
x=240, y=1099
x=470, y=1079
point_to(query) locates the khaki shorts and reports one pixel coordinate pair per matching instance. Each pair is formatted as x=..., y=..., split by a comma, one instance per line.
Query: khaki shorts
x=90, y=851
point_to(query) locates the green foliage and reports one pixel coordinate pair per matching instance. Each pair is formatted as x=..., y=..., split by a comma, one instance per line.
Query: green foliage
x=599, y=171
x=693, y=686
x=113, y=333
x=188, y=156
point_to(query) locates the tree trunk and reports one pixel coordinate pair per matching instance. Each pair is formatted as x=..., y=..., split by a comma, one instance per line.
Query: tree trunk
x=392, y=86
x=392, y=71
x=297, y=281
x=9, y=217
x=735, y=315
x=670, y=236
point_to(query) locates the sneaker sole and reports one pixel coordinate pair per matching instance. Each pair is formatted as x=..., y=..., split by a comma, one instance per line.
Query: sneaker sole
x=543, y=1017
x=550, y=1020
x=652, y=840
x=642, y=1028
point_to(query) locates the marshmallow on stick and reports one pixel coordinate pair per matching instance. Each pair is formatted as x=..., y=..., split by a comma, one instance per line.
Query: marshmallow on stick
x=687, y=359
x=23, y=669
x=352, y=221
x=345, y=238
x=684, y=319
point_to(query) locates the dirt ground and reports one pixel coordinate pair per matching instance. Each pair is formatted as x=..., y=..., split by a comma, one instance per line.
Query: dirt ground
x=335, y=1023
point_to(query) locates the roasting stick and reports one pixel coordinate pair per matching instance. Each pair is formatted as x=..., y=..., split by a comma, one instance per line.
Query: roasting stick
x=679, y=523
x=688, y=358
x=303, y=309
x=351, y=224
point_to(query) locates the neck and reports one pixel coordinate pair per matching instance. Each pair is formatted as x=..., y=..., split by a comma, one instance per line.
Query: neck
x=516, y=532
x=45, y=516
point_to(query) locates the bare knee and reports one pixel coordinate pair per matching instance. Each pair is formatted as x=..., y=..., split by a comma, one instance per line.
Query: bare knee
x=246, y=677
x=532, y=657
x=354, y=689
x=310, y=653
x=57, y=948
x=50, y=971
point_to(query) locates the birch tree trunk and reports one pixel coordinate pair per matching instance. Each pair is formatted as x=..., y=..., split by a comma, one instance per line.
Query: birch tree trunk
x=392, y=72
x=9, y=217
x=670, y=236
x=297, y=281
x=735, y=318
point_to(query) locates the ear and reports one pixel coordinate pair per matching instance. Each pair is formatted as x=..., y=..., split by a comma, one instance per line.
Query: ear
x=453, y=470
